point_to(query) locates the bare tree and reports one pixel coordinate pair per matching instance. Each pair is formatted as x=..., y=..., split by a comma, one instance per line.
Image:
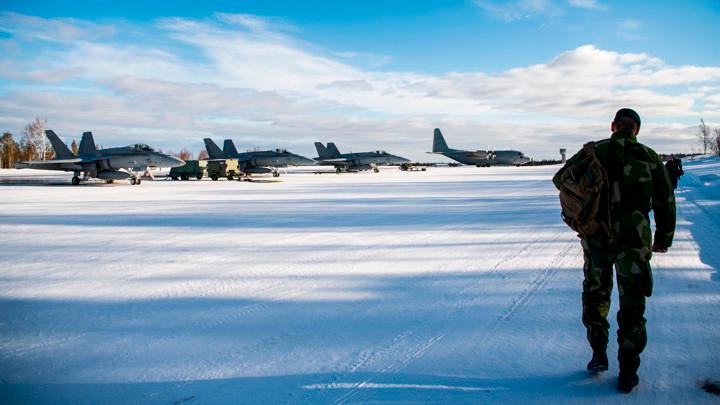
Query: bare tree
x=26, y=150
x=703, y=136
x=202, y=155
x=34, y=136
x=716, y=144
x=185, y=154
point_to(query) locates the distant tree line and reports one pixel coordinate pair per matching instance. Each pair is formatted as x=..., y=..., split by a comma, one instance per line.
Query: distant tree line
x=32, y=146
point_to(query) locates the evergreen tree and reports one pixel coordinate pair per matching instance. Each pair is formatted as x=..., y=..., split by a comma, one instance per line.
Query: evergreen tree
x=10, y=150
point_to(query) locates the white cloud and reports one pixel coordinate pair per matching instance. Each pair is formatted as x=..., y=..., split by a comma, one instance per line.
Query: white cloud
x=518, y=9
x=630, y=29
x=237, y=75
x=630, y=24
x=587, y=4
x=52, y=30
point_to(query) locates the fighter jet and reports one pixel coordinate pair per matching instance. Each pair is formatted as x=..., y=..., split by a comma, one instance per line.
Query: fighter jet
x=479, y=157
x=256, y=162
x=354, y=162
x=107, y=164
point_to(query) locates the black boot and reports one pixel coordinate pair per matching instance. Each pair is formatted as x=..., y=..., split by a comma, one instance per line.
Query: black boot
x=629, y=362
x=626, y=382
x=598, y=363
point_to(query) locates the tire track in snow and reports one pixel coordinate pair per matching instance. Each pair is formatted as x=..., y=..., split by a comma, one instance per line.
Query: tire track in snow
x=536, y=285
x=367, y=357
x=367, y=251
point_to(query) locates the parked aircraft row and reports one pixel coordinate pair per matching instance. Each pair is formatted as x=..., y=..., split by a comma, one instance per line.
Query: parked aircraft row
x=125, y=162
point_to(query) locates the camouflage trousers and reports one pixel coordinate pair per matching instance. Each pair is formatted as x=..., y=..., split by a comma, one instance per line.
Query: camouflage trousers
x=634, y=279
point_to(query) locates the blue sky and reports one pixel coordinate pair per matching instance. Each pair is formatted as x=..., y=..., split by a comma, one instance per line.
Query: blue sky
x=366, y=74
x=440, y=36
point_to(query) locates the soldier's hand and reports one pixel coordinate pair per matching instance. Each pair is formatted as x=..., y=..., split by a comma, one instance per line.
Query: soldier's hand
x=659, y=249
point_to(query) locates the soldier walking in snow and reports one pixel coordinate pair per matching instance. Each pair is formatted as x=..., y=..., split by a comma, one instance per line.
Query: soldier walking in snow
x=631, y=180
x=674, y=168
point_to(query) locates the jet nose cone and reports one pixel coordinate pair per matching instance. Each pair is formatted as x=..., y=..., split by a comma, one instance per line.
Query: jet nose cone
x=172, y=161
x=302, y=161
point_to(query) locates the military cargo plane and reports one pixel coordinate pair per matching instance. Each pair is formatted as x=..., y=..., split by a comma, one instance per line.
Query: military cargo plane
x=256, y=162
x=479, y=157
x=106, y=164
x=354, y=162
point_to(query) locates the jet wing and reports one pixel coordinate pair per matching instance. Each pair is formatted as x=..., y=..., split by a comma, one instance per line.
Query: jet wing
x=42, y=162
x=56, y=164
x=339, y=160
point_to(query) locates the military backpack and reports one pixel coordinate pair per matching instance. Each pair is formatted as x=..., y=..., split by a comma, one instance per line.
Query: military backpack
x=584, y=195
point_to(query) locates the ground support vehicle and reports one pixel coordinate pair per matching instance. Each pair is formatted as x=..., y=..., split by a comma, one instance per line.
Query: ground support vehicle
x=228, y=168
x=191, y=168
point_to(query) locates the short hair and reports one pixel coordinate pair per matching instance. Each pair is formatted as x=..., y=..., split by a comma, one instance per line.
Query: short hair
x=625, y=123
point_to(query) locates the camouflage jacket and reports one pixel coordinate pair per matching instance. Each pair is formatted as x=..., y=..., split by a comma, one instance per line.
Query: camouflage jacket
x=638, y=182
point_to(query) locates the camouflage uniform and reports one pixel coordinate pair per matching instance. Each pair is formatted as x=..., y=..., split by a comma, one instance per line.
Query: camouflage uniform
x=638, y=182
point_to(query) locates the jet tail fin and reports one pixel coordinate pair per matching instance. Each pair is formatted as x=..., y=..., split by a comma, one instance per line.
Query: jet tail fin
x=61, y=150
x=87, y=144
x=229, y=148
x=212, y=149
x=322, y=151
x=333, y=150
x=439, y=144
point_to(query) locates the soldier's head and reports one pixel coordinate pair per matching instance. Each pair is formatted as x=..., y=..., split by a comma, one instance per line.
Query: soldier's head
x=626, y=119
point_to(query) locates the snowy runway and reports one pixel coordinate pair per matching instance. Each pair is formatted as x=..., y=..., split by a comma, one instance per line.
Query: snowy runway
x=452, y=285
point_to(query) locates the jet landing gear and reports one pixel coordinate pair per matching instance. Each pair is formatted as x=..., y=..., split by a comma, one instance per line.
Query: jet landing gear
x=134, y=177
x=75, y=180
x=376, y=170
x=276, y=173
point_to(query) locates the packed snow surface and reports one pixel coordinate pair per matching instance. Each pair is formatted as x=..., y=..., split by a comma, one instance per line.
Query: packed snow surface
x=447, y=286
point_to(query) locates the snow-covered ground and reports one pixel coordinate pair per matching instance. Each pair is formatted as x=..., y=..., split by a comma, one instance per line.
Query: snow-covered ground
x=451, y=285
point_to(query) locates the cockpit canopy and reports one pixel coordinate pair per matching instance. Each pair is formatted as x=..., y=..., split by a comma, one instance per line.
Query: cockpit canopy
x=381, y=152
x=280, y=150
x=138, y=147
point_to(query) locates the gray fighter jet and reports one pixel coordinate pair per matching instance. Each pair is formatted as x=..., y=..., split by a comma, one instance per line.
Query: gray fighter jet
x=479, y=157
x=354, y=162
x=256, y=162
x=107, y=164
